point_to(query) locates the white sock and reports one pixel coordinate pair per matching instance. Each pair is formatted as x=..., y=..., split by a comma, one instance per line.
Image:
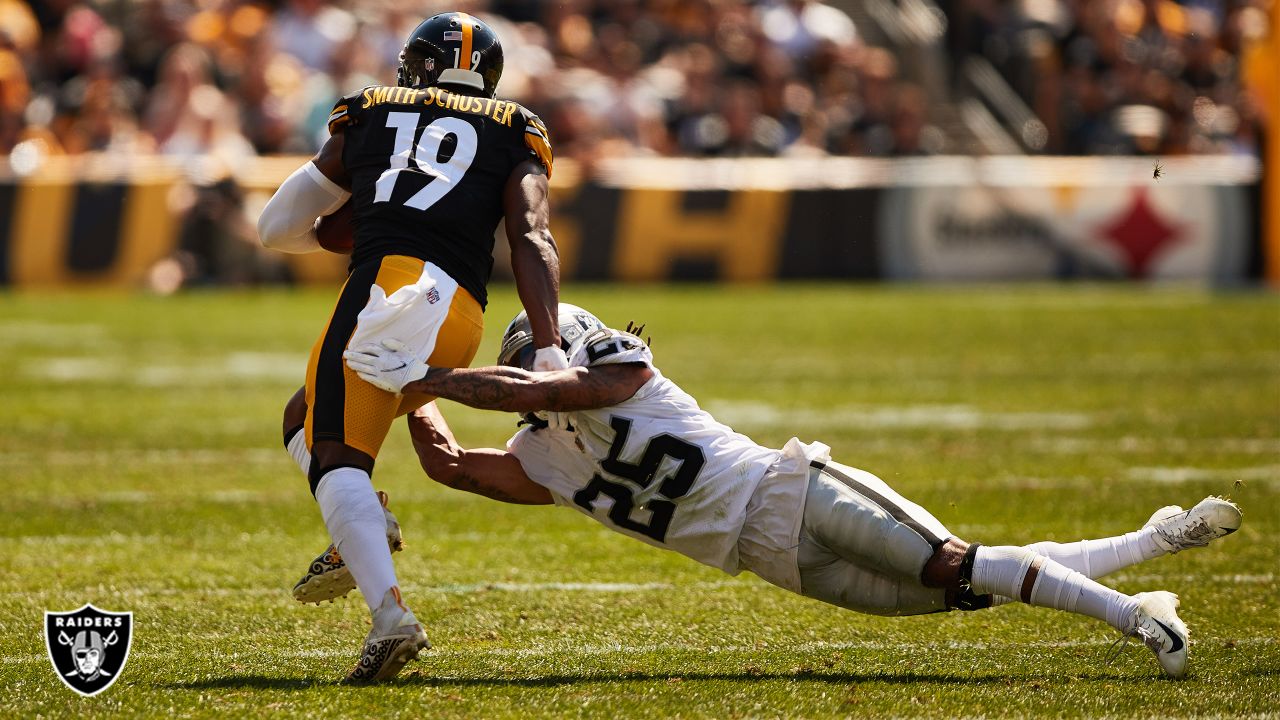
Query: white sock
x=297, y=447
x=354, y=517
x=1002, y=571
x=1098, y=558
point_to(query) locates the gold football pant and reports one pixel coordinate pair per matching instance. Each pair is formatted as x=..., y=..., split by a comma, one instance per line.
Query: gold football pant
x=346, y=409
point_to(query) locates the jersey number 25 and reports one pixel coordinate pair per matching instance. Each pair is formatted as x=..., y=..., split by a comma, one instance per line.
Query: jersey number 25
x=672, y=486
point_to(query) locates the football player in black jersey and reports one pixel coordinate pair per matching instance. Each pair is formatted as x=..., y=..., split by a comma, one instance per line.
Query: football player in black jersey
x=431, y=166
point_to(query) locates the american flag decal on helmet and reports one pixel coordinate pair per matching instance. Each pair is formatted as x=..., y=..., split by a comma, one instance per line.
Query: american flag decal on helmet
x=455, y=35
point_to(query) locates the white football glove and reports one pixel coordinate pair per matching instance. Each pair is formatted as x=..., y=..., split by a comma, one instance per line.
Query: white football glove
x=388, y=365
x=549, y=359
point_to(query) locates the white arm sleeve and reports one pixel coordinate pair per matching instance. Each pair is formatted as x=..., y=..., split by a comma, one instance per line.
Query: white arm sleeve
x=288, y=221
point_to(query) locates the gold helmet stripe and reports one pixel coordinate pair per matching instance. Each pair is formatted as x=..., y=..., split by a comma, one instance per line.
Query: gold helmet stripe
x=464, y=58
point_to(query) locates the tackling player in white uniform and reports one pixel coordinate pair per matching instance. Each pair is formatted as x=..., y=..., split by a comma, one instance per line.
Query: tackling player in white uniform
x=626, y=446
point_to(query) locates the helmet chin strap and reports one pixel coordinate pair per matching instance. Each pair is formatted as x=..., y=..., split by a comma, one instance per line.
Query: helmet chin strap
x=458, y=76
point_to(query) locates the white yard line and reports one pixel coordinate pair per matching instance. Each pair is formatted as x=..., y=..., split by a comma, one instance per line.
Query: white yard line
x=561, y=650
x=200, y=371
x=147, y=456
x=151, y=540
x=1176, y=475
x=578, y=587
x=462, y=589
x=1237, y=579
x=1137, y=445
x=602, y=587
x=142, y=497
x=734, y=413
x=47, y=334
x=1262, y=475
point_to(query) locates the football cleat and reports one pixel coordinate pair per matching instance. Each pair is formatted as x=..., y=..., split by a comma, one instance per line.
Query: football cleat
x=1177, y=529
x=396, y=638
x=328, y=577
x=1162, y=631
x=1163, y=513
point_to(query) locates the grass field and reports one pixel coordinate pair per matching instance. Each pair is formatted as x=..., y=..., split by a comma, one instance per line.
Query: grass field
x=142, y=470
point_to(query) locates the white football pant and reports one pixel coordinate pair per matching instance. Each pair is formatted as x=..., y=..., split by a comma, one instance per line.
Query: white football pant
x=863, y=546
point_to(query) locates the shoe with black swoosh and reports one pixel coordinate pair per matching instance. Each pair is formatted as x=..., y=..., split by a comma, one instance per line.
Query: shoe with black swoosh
x=1163, y=632
x=1177, y=529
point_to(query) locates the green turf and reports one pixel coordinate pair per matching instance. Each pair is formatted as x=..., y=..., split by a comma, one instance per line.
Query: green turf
x=142, y=471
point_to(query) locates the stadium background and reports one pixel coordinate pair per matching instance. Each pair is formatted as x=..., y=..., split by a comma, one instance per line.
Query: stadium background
x=863, y=139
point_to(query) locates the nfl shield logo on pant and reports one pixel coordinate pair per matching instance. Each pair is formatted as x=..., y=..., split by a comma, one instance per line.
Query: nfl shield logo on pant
x=88, y=647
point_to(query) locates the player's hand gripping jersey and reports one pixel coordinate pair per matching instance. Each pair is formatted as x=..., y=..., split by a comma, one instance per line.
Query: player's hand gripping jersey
x=428, y=169
x=656, y=467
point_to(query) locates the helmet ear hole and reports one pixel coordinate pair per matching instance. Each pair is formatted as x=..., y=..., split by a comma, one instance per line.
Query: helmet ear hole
x=524, y=359
x=416, y=69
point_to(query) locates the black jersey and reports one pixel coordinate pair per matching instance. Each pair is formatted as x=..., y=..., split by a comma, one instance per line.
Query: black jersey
x=428, y=168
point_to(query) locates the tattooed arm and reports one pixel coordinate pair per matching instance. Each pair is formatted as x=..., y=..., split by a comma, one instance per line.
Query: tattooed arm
x=488, y=472
x=516, y=390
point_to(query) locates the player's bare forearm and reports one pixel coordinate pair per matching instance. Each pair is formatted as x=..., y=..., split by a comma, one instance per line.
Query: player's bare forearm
x=535, y=260
x=427, y=423
x=497, y=475
x=536, y=265
x=489, y=472
x=516, y=390
x=329, y=161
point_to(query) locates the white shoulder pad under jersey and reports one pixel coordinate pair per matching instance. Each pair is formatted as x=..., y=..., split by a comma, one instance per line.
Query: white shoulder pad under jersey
x=656, y=467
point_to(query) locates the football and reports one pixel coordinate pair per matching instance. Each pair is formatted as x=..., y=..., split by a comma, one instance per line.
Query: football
x=335, y=232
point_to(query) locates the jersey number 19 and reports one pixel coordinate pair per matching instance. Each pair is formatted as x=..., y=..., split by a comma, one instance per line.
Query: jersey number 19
x=445, y=174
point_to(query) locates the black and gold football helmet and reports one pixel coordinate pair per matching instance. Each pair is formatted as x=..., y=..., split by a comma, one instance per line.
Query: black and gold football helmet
x=454, y=49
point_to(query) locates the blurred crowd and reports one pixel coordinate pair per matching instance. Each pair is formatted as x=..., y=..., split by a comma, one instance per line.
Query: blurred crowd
x=610, y=77
x=236, y=78
x=1127, y=76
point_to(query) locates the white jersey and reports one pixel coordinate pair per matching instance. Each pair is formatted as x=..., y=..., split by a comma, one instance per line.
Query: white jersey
x=655, y=467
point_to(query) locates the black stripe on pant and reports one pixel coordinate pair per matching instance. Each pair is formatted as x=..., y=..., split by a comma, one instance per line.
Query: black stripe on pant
x=896, y=512
x=329, y=415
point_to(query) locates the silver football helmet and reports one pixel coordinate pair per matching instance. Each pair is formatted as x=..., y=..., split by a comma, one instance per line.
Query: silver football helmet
x=517, y=342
